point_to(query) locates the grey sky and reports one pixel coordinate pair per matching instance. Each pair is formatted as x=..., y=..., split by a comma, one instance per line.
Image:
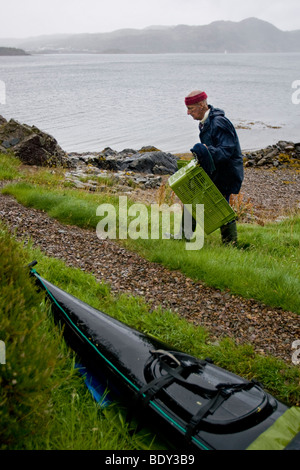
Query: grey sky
x=21, y=18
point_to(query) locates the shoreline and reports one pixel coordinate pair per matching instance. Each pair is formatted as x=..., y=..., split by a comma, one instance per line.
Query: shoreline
x=282, y=154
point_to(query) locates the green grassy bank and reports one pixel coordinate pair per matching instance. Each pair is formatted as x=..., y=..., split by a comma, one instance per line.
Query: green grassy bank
x=45, y=404
x=268, y=270
x=44, y=401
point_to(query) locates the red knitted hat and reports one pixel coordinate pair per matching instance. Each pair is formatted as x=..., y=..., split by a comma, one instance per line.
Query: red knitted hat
x=189, y=100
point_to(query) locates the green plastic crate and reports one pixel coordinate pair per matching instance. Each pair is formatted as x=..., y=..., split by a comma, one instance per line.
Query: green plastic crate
x=193, y=186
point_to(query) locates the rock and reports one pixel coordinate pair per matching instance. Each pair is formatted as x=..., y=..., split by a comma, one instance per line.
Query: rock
x=35, y=147
x=128, y=151
x=10, y=143
x=31, y=145
x=148, y=148
x=108, y=151
x=282, y=154
x=2, y=120
x=282, y=144
x=119, y=181
x=150, y=162
x=289, y=148
x=268, y=158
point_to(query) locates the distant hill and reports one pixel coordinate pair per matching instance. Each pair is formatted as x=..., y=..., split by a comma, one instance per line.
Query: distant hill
x=249, y=35
x=12, y=51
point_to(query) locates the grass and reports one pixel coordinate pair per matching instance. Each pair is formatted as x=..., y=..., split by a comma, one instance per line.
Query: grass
x=268, y=270
x=45, y=404
x=67, y=205
x=9, y=167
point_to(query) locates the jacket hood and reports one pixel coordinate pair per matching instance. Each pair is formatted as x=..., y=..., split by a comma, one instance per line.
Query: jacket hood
x=216, y=111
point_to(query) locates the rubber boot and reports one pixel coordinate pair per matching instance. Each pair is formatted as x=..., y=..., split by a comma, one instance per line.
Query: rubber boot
x=229, y=233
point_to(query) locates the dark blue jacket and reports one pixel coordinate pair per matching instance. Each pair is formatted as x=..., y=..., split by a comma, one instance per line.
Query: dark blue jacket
x=221, y=139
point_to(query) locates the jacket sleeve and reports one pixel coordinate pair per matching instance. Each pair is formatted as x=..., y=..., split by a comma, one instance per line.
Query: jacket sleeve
x=204, y=158
x=224, y=142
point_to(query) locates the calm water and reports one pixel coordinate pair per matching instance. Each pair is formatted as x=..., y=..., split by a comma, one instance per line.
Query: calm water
x=89, y=102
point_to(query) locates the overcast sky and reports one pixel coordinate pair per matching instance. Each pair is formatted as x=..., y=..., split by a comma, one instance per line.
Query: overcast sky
x=24, y=18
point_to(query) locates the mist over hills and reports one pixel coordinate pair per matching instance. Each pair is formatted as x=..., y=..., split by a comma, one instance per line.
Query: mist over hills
x=249, y=35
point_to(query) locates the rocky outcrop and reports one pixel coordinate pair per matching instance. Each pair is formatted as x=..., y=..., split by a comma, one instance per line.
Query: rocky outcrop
x=91, y=178
x=35, y=147
x=283, y=154
x=147, y=160
x=31, y=145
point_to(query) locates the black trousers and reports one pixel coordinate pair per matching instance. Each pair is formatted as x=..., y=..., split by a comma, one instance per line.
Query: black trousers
x=189, y=223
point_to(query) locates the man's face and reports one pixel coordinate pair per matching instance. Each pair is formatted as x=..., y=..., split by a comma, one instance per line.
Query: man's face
x=197, y=110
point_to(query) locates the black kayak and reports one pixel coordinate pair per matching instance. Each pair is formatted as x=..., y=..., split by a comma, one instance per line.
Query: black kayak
x=196, y=404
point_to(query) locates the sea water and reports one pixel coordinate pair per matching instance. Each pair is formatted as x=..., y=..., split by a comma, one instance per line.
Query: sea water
x=92, y=101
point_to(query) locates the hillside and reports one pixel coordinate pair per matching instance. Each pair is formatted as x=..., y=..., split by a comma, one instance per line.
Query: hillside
x=249, y=35
x=12, y=51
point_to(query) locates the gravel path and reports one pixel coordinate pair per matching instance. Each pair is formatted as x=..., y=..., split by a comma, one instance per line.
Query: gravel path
x=269, y=330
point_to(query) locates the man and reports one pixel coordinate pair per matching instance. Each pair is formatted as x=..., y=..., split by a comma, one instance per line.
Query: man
x=219, y=152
